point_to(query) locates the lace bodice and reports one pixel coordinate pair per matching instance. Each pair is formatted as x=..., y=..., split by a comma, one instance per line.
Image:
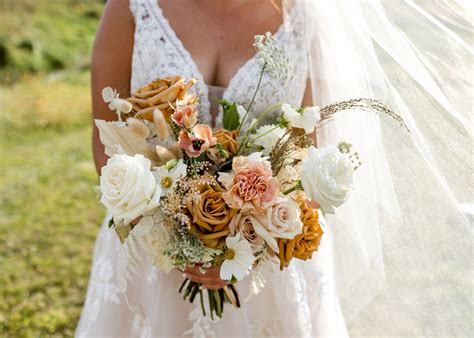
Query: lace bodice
x=158, y=52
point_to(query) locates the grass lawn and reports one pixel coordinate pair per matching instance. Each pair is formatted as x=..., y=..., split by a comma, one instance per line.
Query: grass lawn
x=49, y=213
x=48, y=222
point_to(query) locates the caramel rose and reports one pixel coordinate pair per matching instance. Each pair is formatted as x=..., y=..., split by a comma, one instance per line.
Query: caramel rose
x=302, y=245
x=228, y=140
x=210, y=215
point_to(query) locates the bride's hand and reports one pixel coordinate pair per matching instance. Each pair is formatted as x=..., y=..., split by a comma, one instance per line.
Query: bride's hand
x=209, y=280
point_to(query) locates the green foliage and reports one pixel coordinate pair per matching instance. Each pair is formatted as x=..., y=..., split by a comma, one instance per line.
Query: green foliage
x=231, y=118
x=45, y=35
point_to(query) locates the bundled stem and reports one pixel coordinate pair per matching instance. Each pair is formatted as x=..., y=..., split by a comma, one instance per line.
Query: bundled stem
x=216, y=298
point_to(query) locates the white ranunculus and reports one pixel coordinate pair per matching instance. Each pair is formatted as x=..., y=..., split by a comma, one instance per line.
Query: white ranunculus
x=305, y=119
x=128, y=187
x=327, y=177
x=267, y=136
x=282, y=220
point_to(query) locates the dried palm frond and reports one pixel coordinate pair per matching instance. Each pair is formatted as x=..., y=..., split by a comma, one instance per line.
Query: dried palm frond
x=123, y=139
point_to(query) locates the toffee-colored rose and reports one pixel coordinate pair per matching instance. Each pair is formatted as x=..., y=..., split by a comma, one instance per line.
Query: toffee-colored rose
x=210, y=216
x=228, y=140
x=302, y=245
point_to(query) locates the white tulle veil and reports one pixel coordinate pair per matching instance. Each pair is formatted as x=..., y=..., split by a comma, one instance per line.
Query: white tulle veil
x=403, y=242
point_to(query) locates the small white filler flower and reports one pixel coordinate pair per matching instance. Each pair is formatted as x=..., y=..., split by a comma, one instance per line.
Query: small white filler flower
x=238, y=258
x=111, y=97
x=303, y=118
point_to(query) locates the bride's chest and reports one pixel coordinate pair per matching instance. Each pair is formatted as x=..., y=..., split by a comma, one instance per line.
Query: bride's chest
x=220, y=41
x=159, y=52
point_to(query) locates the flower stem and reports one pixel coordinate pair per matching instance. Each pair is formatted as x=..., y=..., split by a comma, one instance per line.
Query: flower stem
x=297, y=186
x=254, y=95
x=260, y=117
x=265, y=133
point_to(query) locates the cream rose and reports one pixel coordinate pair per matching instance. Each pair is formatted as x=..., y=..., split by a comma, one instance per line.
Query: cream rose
x=242, y=224
x=282, y=220
x=128, y=187
x=327, y=177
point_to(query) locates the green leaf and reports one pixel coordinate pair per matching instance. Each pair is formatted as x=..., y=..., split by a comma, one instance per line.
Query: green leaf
x=231, y=119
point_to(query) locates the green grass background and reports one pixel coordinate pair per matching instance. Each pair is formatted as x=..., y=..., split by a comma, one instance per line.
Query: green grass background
x=49, y=213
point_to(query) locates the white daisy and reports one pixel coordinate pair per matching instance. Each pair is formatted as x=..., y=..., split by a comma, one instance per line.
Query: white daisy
x=303, y=118
x=238, y=258
x=167, y=175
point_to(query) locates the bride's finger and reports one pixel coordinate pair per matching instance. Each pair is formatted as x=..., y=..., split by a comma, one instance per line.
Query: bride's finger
x=203, y=279
x=210, y=272
x=214, y=286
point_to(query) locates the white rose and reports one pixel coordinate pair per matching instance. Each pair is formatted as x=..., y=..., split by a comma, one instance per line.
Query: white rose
x=128, y=187
x=306, y=118
x=282, y=220
x=327, y=177
x=267, y=136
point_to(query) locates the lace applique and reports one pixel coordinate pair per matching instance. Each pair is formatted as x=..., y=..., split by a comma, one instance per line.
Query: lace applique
x=141, y=327
x=102, y=289
x=202, y=326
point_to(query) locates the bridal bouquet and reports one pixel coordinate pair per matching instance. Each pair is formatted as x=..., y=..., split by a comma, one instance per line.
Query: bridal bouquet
x=237, y=197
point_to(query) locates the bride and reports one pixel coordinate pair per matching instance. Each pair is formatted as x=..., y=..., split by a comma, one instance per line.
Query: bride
x=329, y=47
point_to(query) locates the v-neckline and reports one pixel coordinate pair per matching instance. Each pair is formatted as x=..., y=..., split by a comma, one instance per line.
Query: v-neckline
x=187, y=54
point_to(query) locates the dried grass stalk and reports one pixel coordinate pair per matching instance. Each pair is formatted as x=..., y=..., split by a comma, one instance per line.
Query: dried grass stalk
x=293, y=140
x=368, y=105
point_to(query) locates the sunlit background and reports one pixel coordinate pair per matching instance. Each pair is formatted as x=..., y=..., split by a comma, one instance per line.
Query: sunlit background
x=49, y=214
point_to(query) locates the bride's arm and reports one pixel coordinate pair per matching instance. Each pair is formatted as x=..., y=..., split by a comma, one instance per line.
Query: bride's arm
x=111, y=65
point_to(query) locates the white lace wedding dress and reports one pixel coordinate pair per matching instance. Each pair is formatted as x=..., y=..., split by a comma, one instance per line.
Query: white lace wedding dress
x=298, y=302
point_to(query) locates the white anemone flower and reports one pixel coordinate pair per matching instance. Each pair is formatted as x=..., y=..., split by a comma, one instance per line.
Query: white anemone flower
x=303, y=118
x=167, y=175
x=111, y=97
x=267, y=136
x=238, y=258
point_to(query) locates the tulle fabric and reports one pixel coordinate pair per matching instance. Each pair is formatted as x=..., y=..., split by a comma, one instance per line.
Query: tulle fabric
x=403, y=241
